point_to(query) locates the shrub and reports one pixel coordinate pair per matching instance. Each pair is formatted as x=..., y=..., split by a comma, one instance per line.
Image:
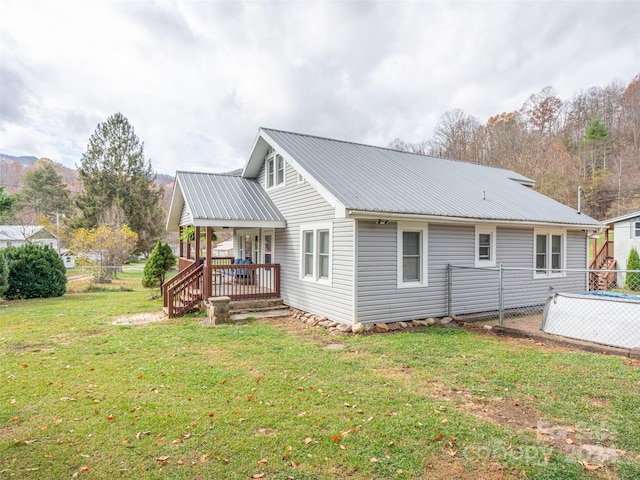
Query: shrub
x=633, y=263
x=157, y=265
x=4, y=274
x=34, y=272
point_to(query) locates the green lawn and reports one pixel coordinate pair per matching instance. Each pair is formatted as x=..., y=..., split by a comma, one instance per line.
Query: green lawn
x=80, y=396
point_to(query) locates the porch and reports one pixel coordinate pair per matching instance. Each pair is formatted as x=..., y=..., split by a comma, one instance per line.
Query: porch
x=200, y=278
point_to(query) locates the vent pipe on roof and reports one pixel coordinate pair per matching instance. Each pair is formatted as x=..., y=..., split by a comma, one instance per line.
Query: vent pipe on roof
x=579, y=200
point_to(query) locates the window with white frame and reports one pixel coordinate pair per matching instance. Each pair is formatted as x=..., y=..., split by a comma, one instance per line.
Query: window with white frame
x=412, y=255
x=316, y=252
x=637, y=229
x=485, y=252
x=274, y=169
x=549, y=252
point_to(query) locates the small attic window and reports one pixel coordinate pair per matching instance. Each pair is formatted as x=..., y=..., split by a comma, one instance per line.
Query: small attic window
x=274, y=169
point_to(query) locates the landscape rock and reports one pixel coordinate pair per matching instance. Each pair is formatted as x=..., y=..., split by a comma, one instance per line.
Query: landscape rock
x=357, y=328
x=417, y=323
x=343, y=327
x=393, y=326
x=381, y=328
x=430, y=321
x=445, y=320
x=403, y=325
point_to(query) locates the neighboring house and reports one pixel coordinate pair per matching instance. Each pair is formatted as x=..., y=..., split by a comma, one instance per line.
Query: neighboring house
x=626, y=235
x=365, y=234
x=224, y=249
x=68, y=259
x=17, y=235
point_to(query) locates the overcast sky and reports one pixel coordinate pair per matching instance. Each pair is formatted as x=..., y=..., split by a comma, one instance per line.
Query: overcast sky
x=197, y=79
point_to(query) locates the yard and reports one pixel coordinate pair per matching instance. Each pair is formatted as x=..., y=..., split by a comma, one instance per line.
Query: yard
x=83, y=398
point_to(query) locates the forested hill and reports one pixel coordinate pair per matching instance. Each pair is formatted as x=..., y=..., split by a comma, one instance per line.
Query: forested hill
x=13, y=168
x=591, y=140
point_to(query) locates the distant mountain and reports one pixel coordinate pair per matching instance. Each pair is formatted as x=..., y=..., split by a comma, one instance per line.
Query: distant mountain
x=25, y=160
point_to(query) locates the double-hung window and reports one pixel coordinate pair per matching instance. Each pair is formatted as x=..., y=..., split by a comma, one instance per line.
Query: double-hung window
x=485, y=253
x=637, y=229
x=412, y=255
x=274, y=169
x=549, y=253
x=316, y=253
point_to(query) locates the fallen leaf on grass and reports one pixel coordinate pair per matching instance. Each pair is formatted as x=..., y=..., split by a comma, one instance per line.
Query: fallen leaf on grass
x=373, y=460
x=437, y=438
x=58, y=421
x=14, y=419
x=162, y=458
x=262, y=461
x=588, y=466
x=84, y=468
x=569, y=441
x=335, y=438
x=110, y=417
x=308, y=440
x=258, y=475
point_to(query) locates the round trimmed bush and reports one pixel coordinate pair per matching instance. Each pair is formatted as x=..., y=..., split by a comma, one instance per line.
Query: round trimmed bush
x=34, y=272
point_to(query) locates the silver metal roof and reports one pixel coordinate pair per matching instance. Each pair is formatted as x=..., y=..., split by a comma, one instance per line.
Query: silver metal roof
x=374, y=179
x=22, y=232
x=221, y=200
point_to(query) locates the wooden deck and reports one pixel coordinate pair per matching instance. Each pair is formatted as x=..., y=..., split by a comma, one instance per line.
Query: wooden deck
x=197, y=281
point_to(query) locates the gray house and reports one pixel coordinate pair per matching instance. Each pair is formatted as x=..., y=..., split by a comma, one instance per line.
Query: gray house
x=359, y=233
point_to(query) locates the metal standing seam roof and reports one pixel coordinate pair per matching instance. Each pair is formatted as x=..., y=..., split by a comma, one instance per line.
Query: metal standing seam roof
x=374, y=179
x=211, y=196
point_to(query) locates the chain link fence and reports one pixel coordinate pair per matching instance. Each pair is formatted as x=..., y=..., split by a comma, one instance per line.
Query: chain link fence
x=602, y=306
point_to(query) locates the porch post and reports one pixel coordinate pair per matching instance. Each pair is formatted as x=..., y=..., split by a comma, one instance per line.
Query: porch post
x=208, y=277
x=181, y=248
x=197, y=244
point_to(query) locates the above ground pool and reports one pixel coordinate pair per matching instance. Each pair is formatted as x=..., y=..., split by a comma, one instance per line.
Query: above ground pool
x=609, y=318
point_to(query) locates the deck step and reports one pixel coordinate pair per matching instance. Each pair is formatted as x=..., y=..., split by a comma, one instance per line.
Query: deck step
x=277, y=313
x=238, y=306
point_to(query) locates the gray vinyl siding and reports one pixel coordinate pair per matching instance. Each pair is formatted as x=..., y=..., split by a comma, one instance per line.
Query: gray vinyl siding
x=301, y=204
x=379, y=298
x=474, y=290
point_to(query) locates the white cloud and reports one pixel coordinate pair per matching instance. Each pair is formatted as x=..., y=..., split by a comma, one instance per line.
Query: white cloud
x=197, y=79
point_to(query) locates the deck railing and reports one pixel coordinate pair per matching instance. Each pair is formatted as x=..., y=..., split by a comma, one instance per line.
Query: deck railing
x=239, y=282
x=184, y=291
x=246, y=281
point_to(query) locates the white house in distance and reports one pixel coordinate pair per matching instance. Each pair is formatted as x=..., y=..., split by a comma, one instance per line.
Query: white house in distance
x=18, y=235
x=359, y=233
x=626, y=235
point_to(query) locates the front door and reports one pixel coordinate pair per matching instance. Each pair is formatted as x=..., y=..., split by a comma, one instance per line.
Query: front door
x=267, y=246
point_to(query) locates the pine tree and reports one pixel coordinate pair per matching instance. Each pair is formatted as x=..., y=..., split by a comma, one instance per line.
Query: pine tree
x=7, y=204
x=633, y=263
x=114, y=172
x=45, y=192
x=157, y=265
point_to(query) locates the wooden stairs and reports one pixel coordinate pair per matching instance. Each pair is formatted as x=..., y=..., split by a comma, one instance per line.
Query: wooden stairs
x=602, y=275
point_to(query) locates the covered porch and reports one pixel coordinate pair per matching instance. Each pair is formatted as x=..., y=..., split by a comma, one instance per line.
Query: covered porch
x=207, y=201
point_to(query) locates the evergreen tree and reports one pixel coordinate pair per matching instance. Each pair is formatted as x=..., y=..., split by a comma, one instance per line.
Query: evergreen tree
x=45, y=192
x=633, y=263
x=7, y=204
x=114, y=172
x=157, y=265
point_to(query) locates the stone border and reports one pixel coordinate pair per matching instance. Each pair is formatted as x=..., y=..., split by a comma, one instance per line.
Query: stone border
x=337, y=328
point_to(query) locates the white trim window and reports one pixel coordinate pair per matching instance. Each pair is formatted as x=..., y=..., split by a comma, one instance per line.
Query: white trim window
x=549, y=249
x=274, y=170
x=315, y=245
x=636, y=229
x=485, y=251
x=412, y=255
